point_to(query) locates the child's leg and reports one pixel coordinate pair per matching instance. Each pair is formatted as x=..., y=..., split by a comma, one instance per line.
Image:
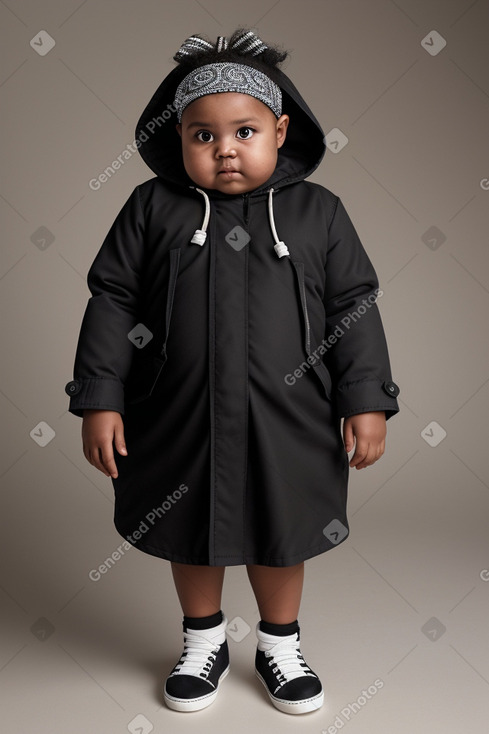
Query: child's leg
x=199, y=588
x=291, y=684
x=193, y=683
x=278, y=591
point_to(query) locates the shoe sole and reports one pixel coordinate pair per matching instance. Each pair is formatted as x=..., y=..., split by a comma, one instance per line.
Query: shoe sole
x=194, y=704
x=303, y=706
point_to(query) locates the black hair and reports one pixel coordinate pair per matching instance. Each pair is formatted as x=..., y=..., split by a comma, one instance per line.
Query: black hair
x=266, y=61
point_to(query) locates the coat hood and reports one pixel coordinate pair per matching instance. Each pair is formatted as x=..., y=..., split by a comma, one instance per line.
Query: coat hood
x=160, y=145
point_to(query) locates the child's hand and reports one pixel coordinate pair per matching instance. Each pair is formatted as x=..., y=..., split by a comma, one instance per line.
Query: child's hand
x=100, y=429
x=369, y=431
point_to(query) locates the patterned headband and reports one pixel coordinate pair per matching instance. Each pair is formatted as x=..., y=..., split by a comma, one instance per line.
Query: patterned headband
x=228, y=77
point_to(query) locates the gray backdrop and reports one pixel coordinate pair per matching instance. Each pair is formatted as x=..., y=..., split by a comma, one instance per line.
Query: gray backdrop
x=405, y=598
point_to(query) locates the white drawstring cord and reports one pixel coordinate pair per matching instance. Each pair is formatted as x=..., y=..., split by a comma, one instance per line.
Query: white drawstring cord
x=200, y=235
x=279, y=247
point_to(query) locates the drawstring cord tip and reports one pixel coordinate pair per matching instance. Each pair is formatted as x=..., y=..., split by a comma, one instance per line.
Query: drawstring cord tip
x=199, y=237
x=281, y=249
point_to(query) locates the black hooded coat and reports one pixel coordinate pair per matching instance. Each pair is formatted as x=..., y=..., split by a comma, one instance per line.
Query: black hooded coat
x=231, y=366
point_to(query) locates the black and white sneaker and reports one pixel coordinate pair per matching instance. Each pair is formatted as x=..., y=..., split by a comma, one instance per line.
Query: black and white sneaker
x=193, y=683
x=291, y=684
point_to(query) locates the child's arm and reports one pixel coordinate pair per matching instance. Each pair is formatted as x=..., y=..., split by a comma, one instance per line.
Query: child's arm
x=101, y=429
x=104, y=352
x=365, y=395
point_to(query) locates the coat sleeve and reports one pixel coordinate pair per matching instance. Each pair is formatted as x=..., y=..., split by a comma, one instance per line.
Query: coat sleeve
x=104, y=351
x=358, y=357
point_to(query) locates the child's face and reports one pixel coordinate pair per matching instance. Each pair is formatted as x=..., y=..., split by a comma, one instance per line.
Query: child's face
x=230, y=141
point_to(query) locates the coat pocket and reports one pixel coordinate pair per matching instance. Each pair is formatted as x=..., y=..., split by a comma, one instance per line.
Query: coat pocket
x=314, y=360
x=148, y=362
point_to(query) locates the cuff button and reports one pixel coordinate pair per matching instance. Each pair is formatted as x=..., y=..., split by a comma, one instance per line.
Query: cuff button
x=391, y=388
x=73, y=387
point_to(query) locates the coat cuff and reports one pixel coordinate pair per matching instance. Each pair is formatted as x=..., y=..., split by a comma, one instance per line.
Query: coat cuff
x=365, y=396
x=99, y=393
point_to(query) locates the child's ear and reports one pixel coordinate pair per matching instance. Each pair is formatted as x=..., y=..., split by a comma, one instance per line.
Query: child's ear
x=179, y=129
x=282, y=124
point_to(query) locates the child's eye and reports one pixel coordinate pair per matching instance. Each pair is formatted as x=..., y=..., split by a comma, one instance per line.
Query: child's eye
x=204, y=136
x=245, y=133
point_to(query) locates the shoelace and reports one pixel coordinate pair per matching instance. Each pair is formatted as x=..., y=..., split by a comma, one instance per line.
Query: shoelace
x=288, y=661
x=198, y=657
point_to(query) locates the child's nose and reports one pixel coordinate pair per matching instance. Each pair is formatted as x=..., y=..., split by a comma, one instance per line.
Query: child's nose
x=225, y=148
